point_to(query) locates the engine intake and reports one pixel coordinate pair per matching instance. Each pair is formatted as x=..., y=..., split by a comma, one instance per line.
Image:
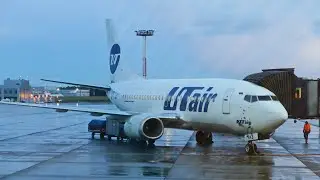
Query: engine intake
x=152, y=128
x=144, y=127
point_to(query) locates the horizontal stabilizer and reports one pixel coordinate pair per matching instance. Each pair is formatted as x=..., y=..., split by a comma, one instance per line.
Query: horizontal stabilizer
x=76, y=84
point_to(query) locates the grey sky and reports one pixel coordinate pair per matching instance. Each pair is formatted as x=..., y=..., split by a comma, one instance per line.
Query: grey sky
x=66, y=40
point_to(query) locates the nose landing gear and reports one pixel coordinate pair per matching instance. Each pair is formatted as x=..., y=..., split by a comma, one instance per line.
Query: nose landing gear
x=204, y=138
x=251, y=148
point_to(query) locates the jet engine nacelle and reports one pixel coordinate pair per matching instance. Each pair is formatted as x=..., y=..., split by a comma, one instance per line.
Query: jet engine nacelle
x=144, y=127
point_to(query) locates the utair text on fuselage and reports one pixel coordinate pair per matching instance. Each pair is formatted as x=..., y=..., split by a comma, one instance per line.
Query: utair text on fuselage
x=200, y=97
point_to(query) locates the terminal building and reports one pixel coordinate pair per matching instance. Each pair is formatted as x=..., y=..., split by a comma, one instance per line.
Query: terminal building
x=15, y=90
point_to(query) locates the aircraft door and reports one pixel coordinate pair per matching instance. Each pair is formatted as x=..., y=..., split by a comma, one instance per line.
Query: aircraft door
x=226, y=101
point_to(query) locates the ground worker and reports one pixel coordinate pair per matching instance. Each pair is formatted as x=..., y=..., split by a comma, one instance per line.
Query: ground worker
x=306, y=131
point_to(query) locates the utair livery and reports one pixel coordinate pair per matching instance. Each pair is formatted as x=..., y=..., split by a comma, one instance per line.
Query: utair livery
x=207, y=106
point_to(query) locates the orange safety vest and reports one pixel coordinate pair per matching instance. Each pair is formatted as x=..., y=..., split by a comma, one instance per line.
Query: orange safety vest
x=306, y=128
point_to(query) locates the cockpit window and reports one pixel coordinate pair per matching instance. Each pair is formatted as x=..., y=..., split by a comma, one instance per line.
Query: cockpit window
x=247, y=98
x=275, y=98
x=251, y=98
x=254, y=98
x=264, y=98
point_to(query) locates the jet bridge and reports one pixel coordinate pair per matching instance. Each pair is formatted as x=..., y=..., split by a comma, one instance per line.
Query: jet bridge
x=299, y=96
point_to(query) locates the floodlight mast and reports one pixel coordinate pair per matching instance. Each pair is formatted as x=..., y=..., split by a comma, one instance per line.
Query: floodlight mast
x=144, y=34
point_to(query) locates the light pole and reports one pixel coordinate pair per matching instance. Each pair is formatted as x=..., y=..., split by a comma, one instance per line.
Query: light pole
x=144, y=34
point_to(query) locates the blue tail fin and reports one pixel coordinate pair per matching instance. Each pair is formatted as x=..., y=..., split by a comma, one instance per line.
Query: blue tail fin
x=118, y=71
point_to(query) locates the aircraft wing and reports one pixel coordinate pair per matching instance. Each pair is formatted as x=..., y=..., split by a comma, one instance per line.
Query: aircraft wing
x=170, y=120
x=94, y=112
x=76, y=84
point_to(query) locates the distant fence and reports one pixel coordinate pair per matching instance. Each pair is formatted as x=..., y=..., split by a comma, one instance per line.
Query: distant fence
x=82, y=99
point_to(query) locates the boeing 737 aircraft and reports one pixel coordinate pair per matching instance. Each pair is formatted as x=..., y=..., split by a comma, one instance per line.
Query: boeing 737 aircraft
x=207, y=106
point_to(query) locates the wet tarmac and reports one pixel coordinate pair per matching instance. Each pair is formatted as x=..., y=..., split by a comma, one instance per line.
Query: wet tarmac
x=42, y=144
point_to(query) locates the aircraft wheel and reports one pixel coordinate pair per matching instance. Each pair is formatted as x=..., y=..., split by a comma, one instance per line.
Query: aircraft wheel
x=209, y=139
x=101, y=135
x=142, y=143
x=251, y=148
x=255, y=148
x=204, y=138
x=92, y=135
x=199, y=137
x=151, y=141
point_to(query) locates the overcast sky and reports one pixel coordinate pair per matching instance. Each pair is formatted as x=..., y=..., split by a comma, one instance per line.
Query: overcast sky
x=66, y=40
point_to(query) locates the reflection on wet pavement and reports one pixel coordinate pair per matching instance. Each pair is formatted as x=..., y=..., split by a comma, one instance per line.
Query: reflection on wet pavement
x=42, y=144
x=285, y=156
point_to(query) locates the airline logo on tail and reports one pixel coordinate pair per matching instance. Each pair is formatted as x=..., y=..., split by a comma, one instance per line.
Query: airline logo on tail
x=114, y=58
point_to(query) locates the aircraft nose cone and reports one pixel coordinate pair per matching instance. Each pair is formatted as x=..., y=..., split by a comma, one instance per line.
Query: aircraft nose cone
x=280, y=115
x=276, y=116
x=283, y=115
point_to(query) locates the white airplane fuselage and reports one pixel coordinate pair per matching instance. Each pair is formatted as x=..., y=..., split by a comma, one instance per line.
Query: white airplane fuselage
x=220, y=106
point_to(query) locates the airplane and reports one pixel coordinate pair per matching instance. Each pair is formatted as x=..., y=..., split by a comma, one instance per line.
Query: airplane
x=205, y=105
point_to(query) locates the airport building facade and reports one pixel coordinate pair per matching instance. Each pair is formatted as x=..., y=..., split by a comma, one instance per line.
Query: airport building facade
x=15, y=90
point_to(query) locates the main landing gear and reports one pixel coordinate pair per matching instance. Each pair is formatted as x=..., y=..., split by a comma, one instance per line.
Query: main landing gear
x=143, y=143
x=204, y=138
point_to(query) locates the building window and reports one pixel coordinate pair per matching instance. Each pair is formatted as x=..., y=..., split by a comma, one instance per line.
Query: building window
x=298, y=93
